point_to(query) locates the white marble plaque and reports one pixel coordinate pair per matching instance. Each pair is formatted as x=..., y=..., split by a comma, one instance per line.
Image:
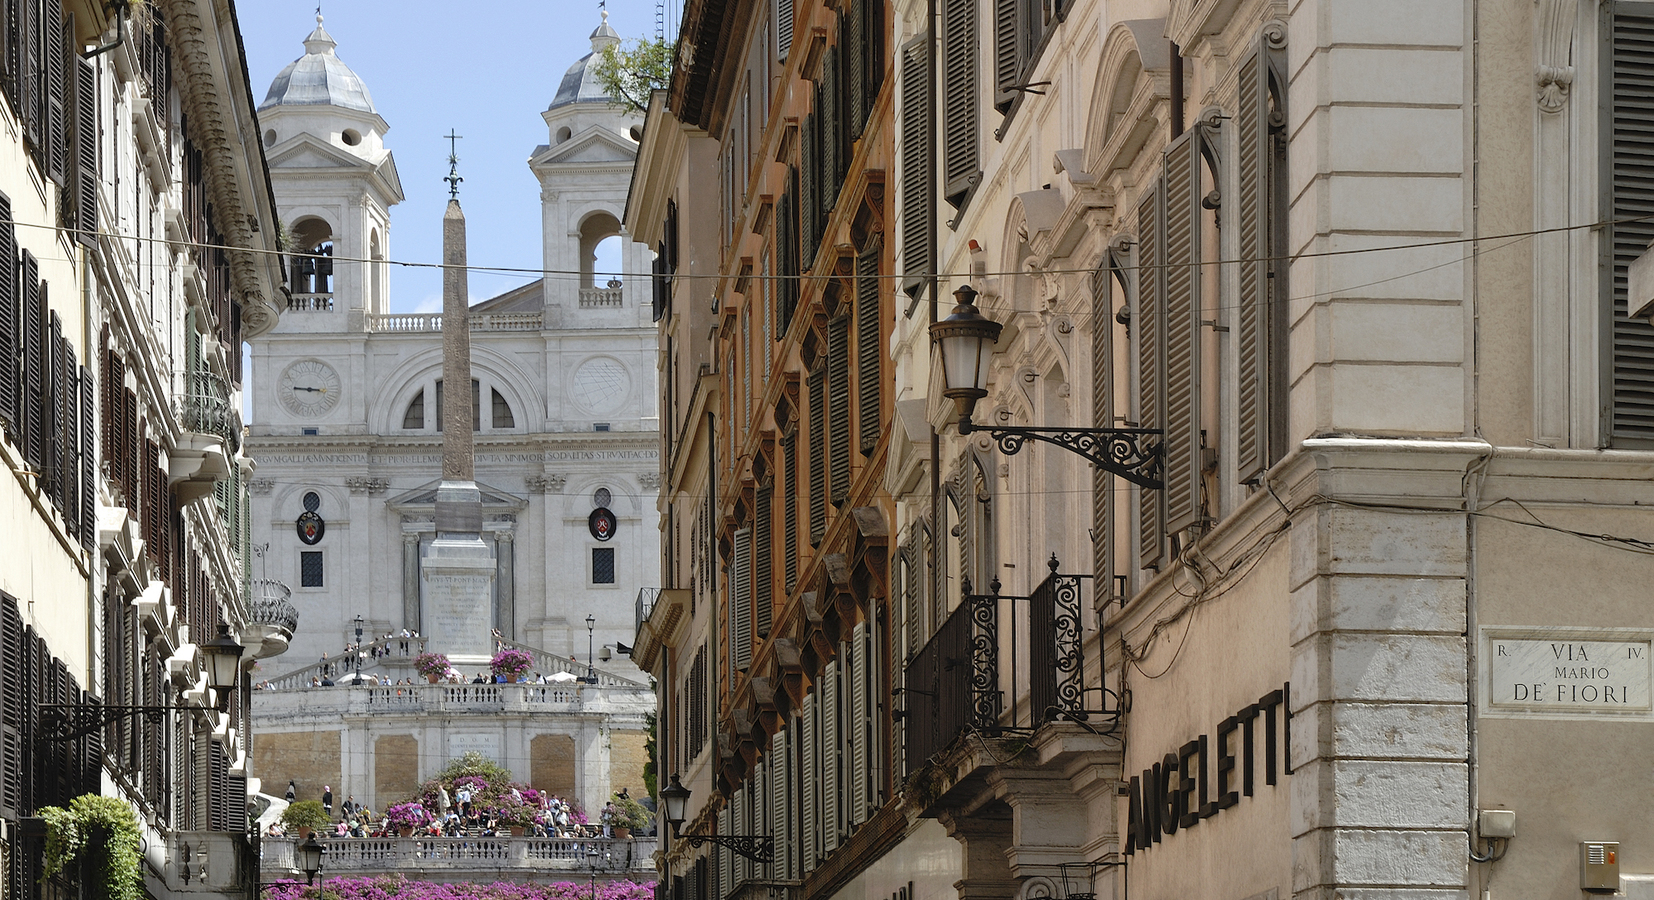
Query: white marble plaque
x=458, y=612
x=472, y=742
x=1574, y=675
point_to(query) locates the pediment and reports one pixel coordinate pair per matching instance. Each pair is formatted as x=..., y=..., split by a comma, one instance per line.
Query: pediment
x=594, y=145
x=306, y=152
x=423, y=499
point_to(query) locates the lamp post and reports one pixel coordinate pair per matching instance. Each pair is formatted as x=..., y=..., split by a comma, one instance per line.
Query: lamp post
x=674, y=798
x=358, y=648
x=310, y=852
x=592, y=857
x=964, y=342
x=220, y=659
x=591, y=666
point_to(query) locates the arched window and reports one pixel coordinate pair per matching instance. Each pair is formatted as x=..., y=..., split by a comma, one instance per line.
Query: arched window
x=502, y=417
x=600, y=251
x=376, y=274
x=312, y=241
x=414, y=418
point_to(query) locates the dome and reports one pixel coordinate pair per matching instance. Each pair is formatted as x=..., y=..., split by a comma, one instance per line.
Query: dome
x=580, y=83
x=319, y=78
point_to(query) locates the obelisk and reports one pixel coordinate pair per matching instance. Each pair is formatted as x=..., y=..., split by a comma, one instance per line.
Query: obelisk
x=458, y=570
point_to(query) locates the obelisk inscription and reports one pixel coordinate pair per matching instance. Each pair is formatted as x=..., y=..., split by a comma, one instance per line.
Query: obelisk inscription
x=459, y=569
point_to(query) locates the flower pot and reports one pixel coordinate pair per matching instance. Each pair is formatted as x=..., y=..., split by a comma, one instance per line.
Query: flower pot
x=406, y=830
x=432, y=678
x=511, y=679
x=516, y=831
x=621, y=832
x=304, y=832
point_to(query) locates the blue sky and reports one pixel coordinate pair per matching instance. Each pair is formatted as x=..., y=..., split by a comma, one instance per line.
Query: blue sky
x=487, y=68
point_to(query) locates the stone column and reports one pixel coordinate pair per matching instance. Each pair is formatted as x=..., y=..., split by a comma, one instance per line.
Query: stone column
x=505, y=610
x=410, y=581
x=983, y=836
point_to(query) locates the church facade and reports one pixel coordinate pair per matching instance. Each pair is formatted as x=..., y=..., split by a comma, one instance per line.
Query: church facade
x=346, y=429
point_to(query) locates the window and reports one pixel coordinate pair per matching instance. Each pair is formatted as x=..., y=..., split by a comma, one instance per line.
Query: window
x=476, y=408
x=960, y=98
x=502, y=417
x=918, y=184
x=1630, y=341
x=603, y=565
x=414, y=418
x=1020, y=28
x=310, y=568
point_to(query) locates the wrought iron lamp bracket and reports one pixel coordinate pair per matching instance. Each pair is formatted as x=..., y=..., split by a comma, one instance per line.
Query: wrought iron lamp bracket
x=64, y=722
x=758, y=848
x=1120, y=451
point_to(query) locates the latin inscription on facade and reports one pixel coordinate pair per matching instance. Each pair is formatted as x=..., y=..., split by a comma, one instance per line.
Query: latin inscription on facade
x=1570, y=675
x=486, y=743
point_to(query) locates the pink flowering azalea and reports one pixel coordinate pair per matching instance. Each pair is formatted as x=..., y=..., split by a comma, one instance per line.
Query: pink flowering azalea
x=396, y=887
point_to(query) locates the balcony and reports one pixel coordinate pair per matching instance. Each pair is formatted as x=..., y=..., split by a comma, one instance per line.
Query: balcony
x=645, y=605
x=272, y=619
x=598, y=298
x=481, y=859
x=310, y=303
x=953, y=684
x=415, y=323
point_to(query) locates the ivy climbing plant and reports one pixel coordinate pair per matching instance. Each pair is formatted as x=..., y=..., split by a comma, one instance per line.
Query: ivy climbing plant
x=107, y=828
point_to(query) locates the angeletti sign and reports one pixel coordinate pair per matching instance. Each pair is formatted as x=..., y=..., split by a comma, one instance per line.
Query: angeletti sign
x=1570, y=675
x=1177, y=792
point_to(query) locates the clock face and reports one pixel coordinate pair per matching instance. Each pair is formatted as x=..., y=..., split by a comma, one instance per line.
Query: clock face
x=600, y=385
x=308, y=388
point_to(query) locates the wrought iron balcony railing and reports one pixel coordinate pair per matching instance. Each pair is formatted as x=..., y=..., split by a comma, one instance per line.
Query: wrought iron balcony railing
x=205, y=407
x=645, y=605
x=269, y=603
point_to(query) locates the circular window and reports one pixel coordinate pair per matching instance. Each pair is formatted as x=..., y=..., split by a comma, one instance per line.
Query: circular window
x=270, y=138
x=312, y=501
x=564, y=134
x=637, y=133
x=351, y=137
x=601, y=497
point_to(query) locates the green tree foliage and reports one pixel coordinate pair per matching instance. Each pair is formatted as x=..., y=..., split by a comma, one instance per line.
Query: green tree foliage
x=105, y=827
x=630, y=71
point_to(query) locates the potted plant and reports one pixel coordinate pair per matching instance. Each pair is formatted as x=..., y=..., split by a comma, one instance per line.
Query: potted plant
x=304, y=816
x=432, y=665
x=514, y=813
x=405, y=817
x=623, y=815
x=511, y=663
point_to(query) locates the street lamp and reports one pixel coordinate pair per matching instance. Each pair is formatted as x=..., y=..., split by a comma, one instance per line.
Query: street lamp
x=591, y=667
x=358, y=647
x=220, y=659
x=591, y=865
x=675, y=799
x=964, y=341
x=310, y=852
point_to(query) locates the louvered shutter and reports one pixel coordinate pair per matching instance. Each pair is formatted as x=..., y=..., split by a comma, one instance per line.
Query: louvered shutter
x=1252, y=311
x=1149, y=317
x=1102, y=416
x=85, y=151
x=838, y=407
x=34, y=360
x=818, y=452
x=810, y=779
x=31, y=74
x=789, y=509
x=856, y=720
x=55, y=48
x=918, y=178
x=746, y=368
x=763, y=580
x=872, y=51
x=830, y=122
x=961, y=168
x=869, y=347
x=1006, y=63
x=13, y=727
x=13, y=53
x=58, y=461
x=88, y=463
x=781, y=817
x=783, y=28
x=832, y=751
x=11, y=326
x=130, y=449
x=1632, y=135
x=853, y=40
x=740, y=598
x=786, y=248
x=809, y=194
x=726, y=860
x=1183, y=308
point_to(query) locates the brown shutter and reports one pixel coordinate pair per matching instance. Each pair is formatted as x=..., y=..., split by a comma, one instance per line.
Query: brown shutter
x=786, y=240
x=1149, y=320
x=818, y=452
x=1102, y=416
x=869, y=347
x=789, y=509
x=838, y=406
x=130, y=451
x=34, y=361
x=918, y=177
x=150, y=522
x=960, y=98
x=1183, y=307
x=85, y=181
x=11, y=324
x=809, y=195
x=763, y=564
x=830, y=121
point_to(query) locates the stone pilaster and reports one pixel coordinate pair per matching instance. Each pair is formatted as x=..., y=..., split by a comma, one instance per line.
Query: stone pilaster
x=410, y=581
x=983, y=835
x=505, y=610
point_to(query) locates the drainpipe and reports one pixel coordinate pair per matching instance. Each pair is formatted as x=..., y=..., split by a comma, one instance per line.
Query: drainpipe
x=121, y=8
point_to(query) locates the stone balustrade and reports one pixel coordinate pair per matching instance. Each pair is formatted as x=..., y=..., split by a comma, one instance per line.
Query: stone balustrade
x=451, y=859
x=597, y=298
x=418, y=699
x=410, y=323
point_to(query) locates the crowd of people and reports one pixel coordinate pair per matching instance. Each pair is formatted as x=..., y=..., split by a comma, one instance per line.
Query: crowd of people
x=461, y=814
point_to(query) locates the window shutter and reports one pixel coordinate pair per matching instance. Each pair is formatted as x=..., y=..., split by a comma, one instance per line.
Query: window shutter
x=1632, y=136
x=1182, y=322
x=740, y=598
x=838, y=406
x=918, y=179
x=818, y=452
x=809, y=201
x=811, y=808
x=853, y=40
x=30, y=74
x=1151, y=335
x=1251, y=338
x=1006, y=63
x=786, y=244
x=746, y=368
x=57, y=420
x=1102, y=416
x=869, y=349
x=13, y=729
x=872, y=51
x=130, y=450
x=959, y=101
x=857, y=718
x=11, y=326
x=34, y=360
x=54, y=45
x=781, y=819
x=763, y=590
x=830, y=121
x=832, y=789
x=789, y=509
x=783, y=28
